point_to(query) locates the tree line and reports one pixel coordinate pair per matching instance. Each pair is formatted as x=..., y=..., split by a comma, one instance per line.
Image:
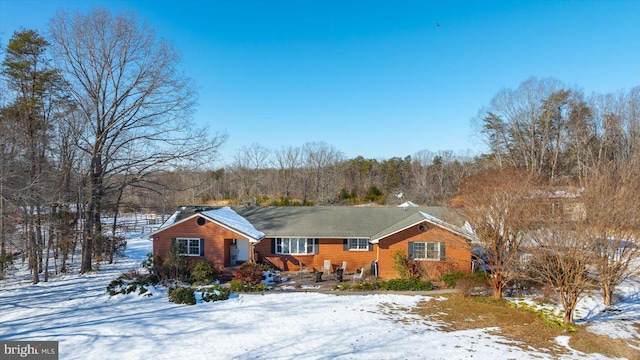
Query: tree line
x=95, y=119
x=314, y=174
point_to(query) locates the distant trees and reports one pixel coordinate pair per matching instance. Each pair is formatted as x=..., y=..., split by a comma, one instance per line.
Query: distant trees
x=529, y=126
x=553, y=131
x=318, y=174
x=287, y=161
x=248, y=163
x=321, y=162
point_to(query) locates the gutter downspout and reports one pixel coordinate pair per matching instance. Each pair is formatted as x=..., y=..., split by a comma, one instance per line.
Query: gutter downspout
x=377, y=258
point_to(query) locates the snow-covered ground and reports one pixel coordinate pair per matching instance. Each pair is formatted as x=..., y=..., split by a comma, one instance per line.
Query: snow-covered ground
x=89, y=324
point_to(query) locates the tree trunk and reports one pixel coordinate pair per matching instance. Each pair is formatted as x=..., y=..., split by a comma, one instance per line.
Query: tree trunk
x=607, y=293
x=568, y=315
x=497, y=291
x=497, y=284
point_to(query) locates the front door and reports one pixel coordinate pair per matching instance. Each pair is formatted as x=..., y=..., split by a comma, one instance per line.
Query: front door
x=233, y=254
x=243, y=250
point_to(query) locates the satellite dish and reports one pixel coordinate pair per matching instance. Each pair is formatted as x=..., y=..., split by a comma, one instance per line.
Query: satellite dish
x=399, y=196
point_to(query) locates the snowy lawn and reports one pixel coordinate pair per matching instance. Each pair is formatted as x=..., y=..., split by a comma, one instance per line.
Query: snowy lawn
x=89, y=324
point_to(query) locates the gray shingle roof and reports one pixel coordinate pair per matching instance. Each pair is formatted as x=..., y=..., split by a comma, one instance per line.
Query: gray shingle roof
x=339, y=221
x=373, y=223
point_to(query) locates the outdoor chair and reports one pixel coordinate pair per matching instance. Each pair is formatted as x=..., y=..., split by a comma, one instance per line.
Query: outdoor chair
x=327, y=268
x=358, y=275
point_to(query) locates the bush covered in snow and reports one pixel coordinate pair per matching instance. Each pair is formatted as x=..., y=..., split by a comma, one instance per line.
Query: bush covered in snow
x=190, y=295
x=237, y=286
x=130, y=282
x=182, y=295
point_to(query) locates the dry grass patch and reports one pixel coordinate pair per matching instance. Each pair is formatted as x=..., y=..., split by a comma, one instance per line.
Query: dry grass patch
x=589, y=343
x=525, y=328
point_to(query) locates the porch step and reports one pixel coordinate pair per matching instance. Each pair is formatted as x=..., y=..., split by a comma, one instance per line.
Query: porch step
x=226, y=275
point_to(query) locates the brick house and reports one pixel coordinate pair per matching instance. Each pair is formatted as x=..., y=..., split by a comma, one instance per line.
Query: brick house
x=291, y=238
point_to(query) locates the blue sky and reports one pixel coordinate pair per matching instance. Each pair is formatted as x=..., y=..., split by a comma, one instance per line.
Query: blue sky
x=370, y=77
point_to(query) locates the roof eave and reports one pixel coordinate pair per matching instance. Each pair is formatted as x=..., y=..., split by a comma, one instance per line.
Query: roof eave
x=450, y=228
x=251, y=238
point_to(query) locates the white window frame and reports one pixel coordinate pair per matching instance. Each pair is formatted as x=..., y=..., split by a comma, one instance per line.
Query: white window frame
x=358, y=244
x=189, y=244
x=432, y=254
x=303, y=246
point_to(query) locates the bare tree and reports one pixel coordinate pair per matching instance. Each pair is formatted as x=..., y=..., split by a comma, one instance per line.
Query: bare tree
x=135, y=102
x=288, y=162
x=612, y=210
x=498, y=206
x=616, y=126
x=422, y=185
x=533, y=125
x=321, y=161
x=249, y=162
x=560, y=259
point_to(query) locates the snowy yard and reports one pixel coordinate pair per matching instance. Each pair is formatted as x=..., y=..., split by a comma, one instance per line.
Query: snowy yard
x=89, y=324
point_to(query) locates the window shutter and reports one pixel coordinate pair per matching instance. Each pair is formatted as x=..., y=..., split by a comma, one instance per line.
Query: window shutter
x=173, y=242
x=442, y=254
x=410, y=249
x=345, y=244
x=370, y=247
x=316, y=246
x=273, y=246
x=201, y=247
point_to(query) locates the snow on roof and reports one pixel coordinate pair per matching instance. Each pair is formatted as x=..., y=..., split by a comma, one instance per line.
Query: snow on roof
x=408, y=204
x=226, y=215
x=464, y=230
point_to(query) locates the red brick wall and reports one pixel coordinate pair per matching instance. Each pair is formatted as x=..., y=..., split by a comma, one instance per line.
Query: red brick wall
x=214, y=235
x=457, y=251
x=217, y=240
x=328, y=249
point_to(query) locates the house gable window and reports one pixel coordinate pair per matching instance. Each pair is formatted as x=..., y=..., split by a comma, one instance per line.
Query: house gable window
x=296, y=246
x=427, y=251
x=357, y=244
x=189, y=246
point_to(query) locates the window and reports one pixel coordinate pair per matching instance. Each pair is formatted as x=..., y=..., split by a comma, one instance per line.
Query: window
x=426, y=251
x=295, y=246
x=191, y=247
x=358, y=244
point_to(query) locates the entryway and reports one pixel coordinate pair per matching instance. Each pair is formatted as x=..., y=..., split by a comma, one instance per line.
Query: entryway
x=239, y=252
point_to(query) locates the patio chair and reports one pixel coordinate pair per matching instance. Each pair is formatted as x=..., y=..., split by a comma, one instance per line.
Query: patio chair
x=358, y=275
x=327, y=268
x=303, y=267
x=344, y=266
